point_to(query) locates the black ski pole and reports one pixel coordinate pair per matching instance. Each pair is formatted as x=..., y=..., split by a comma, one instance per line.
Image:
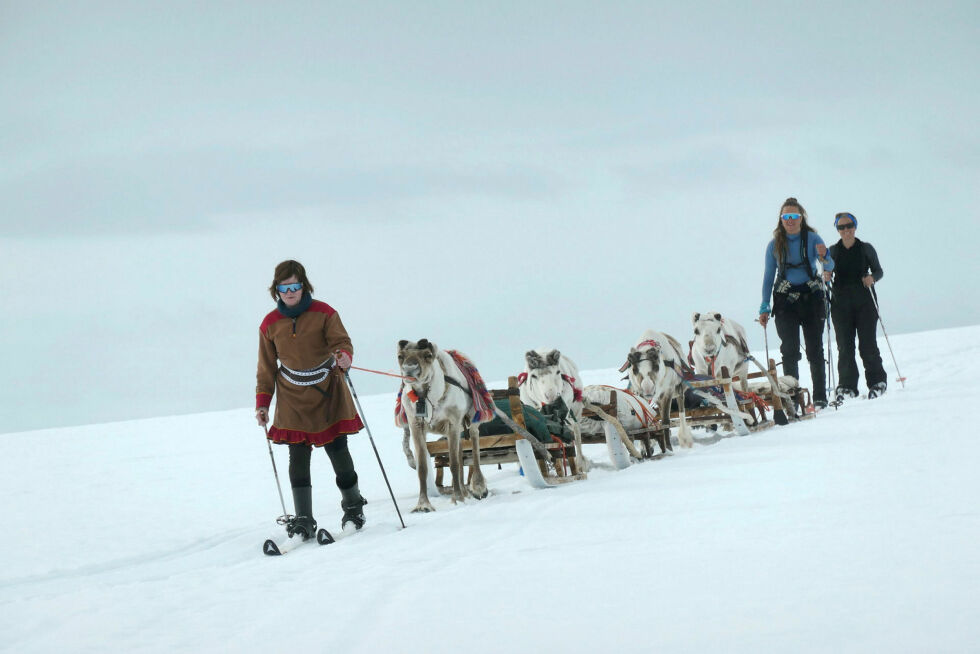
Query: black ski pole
x=830, y=350
x=350, y=385
x=285, y=514
x=892, y=352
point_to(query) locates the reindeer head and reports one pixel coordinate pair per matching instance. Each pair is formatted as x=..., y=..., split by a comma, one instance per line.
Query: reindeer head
x=644, y=364
x=708, y=336
x=416, y=359
x=544, y=380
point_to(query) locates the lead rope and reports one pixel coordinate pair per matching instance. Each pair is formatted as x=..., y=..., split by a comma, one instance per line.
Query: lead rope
x=380, y=372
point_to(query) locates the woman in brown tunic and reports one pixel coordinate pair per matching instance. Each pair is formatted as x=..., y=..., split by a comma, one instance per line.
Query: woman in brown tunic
x=303, y=353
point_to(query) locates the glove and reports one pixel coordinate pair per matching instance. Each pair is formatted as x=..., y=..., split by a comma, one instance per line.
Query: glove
x=343, y=359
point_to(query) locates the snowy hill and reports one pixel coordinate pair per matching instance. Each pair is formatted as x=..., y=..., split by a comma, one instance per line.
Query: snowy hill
x=853, y=532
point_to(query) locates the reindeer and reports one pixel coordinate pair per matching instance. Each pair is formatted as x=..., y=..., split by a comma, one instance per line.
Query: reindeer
x=549, y=375
x=719, y=343
x=655, y=367
x=438, y=400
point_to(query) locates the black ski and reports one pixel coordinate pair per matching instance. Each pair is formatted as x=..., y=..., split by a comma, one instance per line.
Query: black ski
x=272, y=548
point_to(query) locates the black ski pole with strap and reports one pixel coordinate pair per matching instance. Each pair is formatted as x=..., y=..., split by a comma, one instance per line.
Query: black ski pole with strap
x=360, y=410
x=874, y=299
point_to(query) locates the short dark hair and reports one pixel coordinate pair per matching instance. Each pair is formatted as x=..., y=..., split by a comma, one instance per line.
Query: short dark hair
x=285, y=270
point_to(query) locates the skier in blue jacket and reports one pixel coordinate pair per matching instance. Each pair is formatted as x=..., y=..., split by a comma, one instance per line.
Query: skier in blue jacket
x=792, y=280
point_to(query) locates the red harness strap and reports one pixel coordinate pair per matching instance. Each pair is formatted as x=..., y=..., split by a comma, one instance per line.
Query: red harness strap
x=564, y=457
x=758, y=401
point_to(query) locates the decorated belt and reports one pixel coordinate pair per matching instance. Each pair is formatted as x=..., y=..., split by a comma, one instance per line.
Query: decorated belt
x=308, y=377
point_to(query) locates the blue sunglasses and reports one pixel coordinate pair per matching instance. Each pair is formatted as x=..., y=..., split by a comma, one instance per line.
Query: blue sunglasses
x=287, y=288
x=791, y=216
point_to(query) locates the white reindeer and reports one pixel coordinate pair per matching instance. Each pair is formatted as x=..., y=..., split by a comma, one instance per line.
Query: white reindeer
x=438, y=400
x=549, y=375
x=655, y=367
x=719, y=343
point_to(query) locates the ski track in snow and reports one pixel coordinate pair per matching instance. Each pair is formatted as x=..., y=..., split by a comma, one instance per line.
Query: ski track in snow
x=852, y=532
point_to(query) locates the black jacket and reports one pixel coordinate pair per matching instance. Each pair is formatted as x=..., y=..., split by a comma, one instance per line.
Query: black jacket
x=852, y=264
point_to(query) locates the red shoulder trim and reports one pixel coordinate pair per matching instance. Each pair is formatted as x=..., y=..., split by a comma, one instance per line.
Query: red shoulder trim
x=272, y=317
x=322, y=307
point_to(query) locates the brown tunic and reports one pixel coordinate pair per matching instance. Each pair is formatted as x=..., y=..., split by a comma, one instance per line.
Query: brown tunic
x=304, y=414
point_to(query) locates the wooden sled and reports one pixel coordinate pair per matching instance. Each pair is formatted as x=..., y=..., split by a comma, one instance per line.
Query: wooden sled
x=737, y=406
x=618, y=438
x=543, y=464
x=788, y=405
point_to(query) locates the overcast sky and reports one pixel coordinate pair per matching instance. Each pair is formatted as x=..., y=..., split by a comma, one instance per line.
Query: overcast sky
x=491, y=176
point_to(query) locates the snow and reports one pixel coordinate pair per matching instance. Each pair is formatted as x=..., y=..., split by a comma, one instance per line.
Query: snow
x=853, y=532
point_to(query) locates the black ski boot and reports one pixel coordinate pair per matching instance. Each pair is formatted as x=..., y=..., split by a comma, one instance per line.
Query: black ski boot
x=303, y=524
x=843, y=392
x=352, y=503
x=877, y=390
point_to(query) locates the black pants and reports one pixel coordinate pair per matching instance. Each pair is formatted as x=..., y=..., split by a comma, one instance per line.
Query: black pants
x=853, y=312
x=806, y=314
x=343, y=465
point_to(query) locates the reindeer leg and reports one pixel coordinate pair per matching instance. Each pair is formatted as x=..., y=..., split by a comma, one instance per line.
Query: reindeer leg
x=684, y=435
x=581, y=462
x=422, y=466
x=456, y=463
x=406, y=449
x=665, y=444
x=742, y=370
x=478, y=484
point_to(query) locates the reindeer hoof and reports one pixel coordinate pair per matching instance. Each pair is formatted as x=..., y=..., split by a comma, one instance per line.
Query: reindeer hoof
x=423, y=508
x=480, y=492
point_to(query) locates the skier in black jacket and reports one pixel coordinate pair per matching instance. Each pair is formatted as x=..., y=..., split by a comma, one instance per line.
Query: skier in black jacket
x=855, y=273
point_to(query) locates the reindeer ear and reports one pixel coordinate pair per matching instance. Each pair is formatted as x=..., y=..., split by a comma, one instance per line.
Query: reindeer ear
x=553, y=358
x=629, y=356
x=534, y=359
x=401, y=344
x=694, y=318
x=718, y=317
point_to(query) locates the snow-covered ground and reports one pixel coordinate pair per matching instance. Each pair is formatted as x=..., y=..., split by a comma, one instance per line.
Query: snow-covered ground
x=854, y=532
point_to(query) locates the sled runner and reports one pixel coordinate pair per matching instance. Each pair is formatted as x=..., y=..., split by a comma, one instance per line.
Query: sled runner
x=547, y=458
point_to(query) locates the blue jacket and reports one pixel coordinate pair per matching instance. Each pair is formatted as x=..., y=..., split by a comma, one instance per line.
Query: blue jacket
x=794, y=276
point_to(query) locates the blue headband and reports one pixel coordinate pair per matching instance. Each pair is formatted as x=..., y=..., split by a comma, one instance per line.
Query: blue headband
x=845, y=214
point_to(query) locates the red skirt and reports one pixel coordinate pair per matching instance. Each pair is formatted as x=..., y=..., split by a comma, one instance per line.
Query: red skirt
x=318, y=439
